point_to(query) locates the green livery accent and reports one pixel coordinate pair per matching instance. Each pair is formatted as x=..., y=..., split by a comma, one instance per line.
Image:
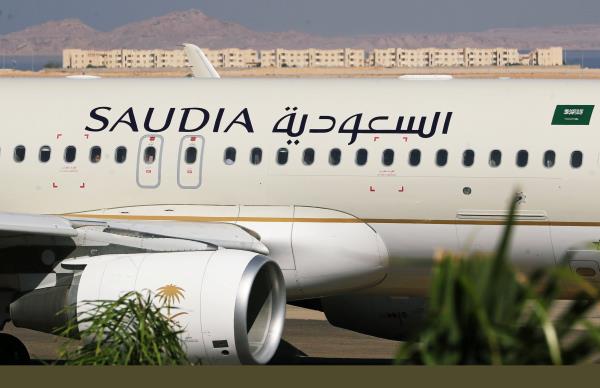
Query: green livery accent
x=572, y=115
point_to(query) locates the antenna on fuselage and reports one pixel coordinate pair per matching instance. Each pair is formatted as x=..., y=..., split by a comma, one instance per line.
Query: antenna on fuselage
x=201, y=66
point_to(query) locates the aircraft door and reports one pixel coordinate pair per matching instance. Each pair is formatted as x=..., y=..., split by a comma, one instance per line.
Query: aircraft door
x=149, y=161
x=189, y=167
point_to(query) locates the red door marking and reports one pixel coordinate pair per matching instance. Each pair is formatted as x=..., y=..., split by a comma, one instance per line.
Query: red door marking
x=401, y=189
x=371, y=189
x=375, y=138
x=54, y=185
x=82, y=186
x=152, y=138
x=87, y=135
x=193, y=138
x=58, y=135
x=405, y=138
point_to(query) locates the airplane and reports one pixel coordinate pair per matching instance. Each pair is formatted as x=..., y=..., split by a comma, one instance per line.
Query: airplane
x=242, y=195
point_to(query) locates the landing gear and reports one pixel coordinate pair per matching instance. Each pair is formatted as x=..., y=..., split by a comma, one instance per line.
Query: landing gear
x=12, y=351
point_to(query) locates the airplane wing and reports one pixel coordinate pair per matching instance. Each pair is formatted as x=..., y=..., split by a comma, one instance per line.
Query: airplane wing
x=149, y=235
x=201, y=66
x=12, y=223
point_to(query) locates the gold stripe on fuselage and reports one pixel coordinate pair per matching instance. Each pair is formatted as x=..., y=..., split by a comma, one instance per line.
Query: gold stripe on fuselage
x=327, y=220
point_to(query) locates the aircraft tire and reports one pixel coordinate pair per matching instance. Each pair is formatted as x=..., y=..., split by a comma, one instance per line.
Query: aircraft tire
x=12, y=351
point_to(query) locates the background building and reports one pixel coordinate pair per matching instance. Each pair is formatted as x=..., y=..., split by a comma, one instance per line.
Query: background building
x=343, y=57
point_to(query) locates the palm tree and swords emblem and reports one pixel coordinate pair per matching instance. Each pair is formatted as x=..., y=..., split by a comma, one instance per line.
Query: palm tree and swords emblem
x=168, y=295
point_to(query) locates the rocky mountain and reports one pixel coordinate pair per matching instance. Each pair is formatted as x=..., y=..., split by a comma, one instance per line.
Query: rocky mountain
x=172, y=29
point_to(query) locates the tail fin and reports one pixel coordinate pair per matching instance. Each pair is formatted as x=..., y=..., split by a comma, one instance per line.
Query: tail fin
x=201, y=66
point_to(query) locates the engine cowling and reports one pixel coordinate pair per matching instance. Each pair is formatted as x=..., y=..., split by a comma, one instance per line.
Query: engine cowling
x=230, y=304
x=395, y=318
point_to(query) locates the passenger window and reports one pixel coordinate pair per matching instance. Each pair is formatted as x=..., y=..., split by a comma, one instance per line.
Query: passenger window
x=309, y=156
x=191, y=153
x=576, y=159
x=19, y=155
x=95, y=154
x=45, y=154
x=441, y=158
x=549, y=159
x=282, y=156
x=388, y=157
x=256, y=156
x=149, y=155
x=495, y=158
x=70, y=154
x=414, y=157
x=121, y=154
x=522, y=158
x=229, y=157
x=468, y=158
x=335, y=156
x=361, y=157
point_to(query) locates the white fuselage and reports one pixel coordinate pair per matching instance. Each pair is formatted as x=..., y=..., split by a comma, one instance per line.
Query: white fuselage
x=417, y=211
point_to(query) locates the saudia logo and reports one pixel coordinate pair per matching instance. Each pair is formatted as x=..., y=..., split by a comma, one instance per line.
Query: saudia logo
x=292, y=123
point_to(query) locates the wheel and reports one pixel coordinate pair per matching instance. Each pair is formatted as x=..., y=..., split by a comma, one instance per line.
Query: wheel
x=12, y=351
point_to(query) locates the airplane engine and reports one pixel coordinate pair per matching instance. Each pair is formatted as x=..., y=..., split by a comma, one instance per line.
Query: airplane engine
x=230, y=303
x=395, y=318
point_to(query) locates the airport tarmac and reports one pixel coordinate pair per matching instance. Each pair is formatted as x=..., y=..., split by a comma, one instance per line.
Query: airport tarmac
x=307, y=339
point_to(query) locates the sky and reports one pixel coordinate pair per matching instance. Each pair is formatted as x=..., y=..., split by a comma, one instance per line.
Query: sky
x=322, y=17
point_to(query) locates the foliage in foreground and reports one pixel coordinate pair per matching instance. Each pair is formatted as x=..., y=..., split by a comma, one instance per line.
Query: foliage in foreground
x=483, y=311
x=131, y=330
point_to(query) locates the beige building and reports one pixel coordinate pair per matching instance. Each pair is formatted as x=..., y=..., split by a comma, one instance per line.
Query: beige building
x=244, y=58
x=551, y=56
x=115, y=59
x=312, y=58
x=436, y=57
x=111, y=59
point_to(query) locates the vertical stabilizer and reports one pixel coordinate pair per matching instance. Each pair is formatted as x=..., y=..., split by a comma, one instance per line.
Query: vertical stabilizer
x=201, y=66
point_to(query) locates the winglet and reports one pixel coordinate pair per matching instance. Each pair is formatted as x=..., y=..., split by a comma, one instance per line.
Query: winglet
x=201, y=66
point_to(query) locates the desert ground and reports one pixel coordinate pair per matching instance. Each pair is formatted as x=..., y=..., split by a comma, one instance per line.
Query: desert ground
x=559, y=72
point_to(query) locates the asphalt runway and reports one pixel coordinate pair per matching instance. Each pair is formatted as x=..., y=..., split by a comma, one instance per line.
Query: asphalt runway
x=308, y=339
